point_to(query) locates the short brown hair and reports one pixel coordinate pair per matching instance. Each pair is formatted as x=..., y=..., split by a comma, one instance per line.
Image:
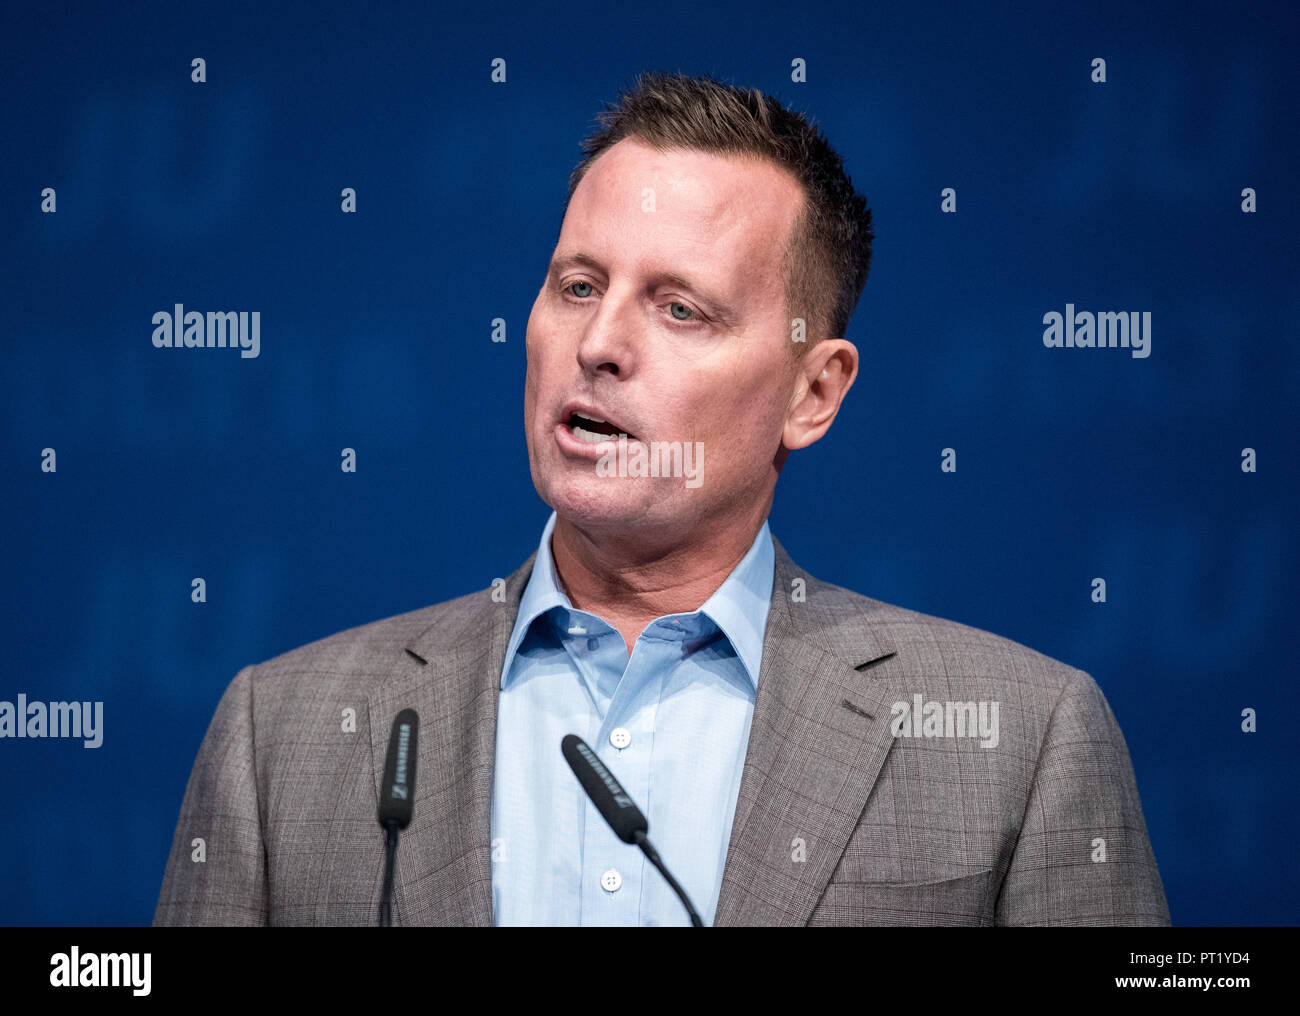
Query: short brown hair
x=828, y=253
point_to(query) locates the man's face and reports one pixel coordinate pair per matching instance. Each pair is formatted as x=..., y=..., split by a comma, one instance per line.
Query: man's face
x=664, y=315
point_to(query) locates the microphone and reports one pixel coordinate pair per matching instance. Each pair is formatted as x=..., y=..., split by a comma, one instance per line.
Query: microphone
x=618, y=809
x=397, y=798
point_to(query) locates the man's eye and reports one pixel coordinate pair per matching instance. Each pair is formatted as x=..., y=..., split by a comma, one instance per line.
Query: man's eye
x=678, y=310
x=688, y=310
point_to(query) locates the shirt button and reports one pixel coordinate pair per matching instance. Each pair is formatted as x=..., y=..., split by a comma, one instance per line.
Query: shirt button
x=610, y=881
x=619, y=737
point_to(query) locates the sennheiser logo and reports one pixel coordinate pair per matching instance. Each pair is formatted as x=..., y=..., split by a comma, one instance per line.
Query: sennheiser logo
x=1106, y=329
x=218, y=329
x=399, y=779
x=606, y=777
x=73, y=969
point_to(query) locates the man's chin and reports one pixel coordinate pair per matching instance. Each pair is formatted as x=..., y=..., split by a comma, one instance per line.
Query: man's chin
x=599, y=502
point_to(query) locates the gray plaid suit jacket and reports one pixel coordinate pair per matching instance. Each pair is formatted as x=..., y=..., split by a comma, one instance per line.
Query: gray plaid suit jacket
x=838, y=821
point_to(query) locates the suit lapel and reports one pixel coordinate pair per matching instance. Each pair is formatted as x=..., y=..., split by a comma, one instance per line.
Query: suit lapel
x=819, y=738
x=450, y=674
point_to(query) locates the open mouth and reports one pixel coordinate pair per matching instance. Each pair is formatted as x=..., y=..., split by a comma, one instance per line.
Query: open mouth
x=594, y=430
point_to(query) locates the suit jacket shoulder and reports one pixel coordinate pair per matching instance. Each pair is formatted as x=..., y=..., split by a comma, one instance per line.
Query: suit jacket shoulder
x=279, y=820
x=904, y=768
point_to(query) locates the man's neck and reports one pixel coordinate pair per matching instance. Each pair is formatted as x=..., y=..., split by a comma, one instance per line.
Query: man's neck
x=629, y=585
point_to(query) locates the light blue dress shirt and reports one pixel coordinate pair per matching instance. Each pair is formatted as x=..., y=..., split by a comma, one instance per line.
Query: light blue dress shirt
x=671, y=721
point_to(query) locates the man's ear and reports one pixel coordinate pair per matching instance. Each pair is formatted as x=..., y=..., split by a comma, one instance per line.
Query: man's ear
x=826, y=374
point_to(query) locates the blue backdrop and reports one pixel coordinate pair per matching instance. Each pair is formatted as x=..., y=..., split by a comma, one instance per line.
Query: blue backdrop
x=376, y=335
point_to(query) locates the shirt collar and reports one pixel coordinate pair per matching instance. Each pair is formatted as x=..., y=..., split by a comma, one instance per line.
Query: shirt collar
x=738, y=607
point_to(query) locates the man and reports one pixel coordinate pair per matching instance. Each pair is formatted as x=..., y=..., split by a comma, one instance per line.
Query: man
x=804, y=755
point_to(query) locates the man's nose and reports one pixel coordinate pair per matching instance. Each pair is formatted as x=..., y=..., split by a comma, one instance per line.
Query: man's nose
x=611, y=334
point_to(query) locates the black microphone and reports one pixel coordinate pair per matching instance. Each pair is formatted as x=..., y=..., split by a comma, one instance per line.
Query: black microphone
x=397, y=798
x=618, y=809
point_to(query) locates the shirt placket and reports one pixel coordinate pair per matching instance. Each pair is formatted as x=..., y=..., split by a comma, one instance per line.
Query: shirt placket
x=613, y=871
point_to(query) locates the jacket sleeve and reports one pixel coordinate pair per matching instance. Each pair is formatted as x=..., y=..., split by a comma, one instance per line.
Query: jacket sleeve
x=216, y=872
x=1083, y=856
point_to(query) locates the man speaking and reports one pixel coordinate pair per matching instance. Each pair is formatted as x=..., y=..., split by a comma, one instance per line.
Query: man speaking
x=803, y=754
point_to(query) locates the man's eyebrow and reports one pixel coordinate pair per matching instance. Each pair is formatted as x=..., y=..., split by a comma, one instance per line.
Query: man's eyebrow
x=722, y=312
x=563, y=261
